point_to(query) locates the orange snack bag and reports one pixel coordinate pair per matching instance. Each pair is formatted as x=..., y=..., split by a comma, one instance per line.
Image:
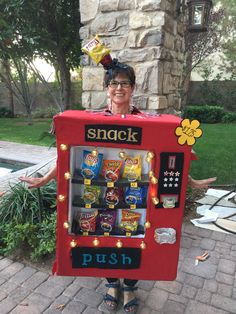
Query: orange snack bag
x=129, y=220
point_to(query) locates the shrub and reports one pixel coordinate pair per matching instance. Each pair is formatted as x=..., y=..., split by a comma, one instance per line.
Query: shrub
x=28, y=218
x=204, y=113
x=229, y=117
x=39, y=237
x=45, y=112
x=22, y=205
x=5, y=113
x=78, y=106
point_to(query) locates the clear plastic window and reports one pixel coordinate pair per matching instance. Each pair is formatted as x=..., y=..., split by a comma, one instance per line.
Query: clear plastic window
x=109, y=198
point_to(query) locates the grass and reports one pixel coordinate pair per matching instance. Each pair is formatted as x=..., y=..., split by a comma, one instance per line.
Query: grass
x=17, y=130
x=216, y=149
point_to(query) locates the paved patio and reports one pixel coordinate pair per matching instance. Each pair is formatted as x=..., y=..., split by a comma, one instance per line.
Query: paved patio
x=209, y=287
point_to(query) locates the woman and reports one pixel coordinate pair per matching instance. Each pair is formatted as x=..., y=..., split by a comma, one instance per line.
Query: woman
x=120, y=83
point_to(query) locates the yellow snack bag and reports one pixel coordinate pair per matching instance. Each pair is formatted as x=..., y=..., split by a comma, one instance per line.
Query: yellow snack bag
x=96, y=50
x=132, y=168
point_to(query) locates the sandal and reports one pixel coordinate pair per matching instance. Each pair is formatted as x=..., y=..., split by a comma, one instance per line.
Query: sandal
x=131, y=307
x=111, y=302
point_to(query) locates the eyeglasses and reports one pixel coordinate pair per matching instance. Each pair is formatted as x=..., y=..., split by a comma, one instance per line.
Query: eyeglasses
x=124, y=84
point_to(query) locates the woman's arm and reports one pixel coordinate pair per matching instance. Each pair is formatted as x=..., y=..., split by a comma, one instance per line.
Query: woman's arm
x=38, y=182
x=200, y=184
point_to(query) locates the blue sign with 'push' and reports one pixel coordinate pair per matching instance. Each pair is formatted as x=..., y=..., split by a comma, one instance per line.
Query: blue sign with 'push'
x=110, y=258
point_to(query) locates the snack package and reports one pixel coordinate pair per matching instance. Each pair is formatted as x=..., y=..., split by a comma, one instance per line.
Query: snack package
x=132, y=168
x=87, y=221
x=129, y=220
x=135, y=195
x=91, y=165
x=107, y=220
x=91, y=194
x=97, y=51
x=111, y=169
x=113, y=195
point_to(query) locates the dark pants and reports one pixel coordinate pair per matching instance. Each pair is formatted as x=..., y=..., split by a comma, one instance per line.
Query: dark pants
x=127, y=282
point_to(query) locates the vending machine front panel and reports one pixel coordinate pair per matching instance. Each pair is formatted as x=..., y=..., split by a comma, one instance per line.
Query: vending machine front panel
x=121, y=194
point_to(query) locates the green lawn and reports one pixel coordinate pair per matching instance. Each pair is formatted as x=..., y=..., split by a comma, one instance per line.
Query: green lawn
x=216, y=149
x=17, y=130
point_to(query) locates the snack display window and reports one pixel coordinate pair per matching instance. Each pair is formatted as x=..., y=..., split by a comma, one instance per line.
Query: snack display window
x=121, y=194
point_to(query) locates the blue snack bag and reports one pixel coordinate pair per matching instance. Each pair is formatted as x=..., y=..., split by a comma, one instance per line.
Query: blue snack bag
x=91, y=165
x=135, y=195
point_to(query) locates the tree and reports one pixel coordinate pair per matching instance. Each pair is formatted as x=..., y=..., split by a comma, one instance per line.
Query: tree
x=5, y=73
x=198, y=46
x=228, y=25
x=47, y=29
x=20, y=86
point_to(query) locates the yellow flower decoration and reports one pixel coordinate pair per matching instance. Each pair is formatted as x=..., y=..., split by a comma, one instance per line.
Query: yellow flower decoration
x=188, y=132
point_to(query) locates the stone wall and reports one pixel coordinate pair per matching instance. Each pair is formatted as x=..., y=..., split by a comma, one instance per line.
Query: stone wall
x=144, y=34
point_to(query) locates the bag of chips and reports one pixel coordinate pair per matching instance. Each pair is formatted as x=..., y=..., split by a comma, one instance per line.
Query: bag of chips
x=111, y=169
x=129, y=221
x=97, y=51
x=135, y=195
x=91, y=165
x=87, y=221
x=107, y=220
x=91, y=194
x=113, y=195
x=132, y=168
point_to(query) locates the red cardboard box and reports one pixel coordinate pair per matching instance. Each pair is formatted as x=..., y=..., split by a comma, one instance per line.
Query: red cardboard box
x=150, y=252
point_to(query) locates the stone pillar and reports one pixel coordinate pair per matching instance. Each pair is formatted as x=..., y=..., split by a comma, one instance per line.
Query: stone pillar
x=144, y=34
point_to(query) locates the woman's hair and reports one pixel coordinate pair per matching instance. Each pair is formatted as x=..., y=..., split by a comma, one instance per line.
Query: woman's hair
x=119, y=68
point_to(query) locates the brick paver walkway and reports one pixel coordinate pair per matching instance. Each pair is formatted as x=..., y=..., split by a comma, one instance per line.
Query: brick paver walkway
x=208, y=288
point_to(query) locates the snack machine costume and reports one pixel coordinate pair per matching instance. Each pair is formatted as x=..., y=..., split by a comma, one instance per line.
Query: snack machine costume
x=121, y=193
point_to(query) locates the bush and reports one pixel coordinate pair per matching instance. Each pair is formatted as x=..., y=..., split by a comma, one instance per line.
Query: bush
x=40, y=237
x=229, y=117
x=28, y=218
x=5, y=113
x=22, y=205
x=45, y=112
x=204, y=113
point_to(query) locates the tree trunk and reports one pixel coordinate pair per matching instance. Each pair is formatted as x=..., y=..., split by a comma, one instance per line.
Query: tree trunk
x=65, y=81
x=186, y=81
x=7, y=70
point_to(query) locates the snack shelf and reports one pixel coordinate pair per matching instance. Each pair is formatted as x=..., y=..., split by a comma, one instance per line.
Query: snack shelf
x=77, y=178
x=79, y=202
x=115, y=232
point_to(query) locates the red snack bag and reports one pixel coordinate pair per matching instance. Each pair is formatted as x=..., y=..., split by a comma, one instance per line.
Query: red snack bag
x=113, y=196
x=87, y=221
x=129, y=220
x=111, y=169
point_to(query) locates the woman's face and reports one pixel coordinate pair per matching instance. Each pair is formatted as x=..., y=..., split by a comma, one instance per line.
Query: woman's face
x=120, y=95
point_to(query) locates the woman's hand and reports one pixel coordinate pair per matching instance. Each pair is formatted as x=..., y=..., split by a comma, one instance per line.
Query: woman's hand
x=2, y=193
x=33, y=182
x=200, y=184
x=38, y=182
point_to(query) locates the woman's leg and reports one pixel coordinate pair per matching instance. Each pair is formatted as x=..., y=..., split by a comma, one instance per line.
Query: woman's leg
x=130, y=301
x=110, y=280
x=111, y=297
x=130, y=282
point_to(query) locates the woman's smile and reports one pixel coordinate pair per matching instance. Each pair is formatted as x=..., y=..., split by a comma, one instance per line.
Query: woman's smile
x=120, y=92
